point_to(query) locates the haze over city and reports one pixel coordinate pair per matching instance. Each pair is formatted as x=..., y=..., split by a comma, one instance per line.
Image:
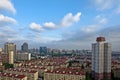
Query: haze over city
x=59, y=24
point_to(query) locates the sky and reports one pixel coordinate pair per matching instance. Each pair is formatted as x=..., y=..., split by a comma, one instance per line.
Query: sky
x=63, y=24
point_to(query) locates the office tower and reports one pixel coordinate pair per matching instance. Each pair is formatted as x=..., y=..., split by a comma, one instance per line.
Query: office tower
x=10, y=49
x=24, y=47
x=43, y=50
x=101, y=59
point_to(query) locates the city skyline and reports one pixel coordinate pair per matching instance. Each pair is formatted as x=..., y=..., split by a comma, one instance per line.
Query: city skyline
x=59, y=24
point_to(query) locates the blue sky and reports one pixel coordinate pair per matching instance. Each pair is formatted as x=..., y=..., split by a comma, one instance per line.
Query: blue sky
x=69, y=24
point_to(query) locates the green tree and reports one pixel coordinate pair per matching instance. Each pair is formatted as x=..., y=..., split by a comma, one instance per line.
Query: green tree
x=7, y=65
x=82, y=66
x=88, y=76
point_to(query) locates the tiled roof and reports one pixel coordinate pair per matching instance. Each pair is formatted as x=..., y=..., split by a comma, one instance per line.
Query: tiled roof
x=12, y=75
x=72, y=71
x=21, y=70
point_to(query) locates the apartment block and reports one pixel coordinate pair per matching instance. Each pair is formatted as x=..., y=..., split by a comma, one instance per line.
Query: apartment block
x=9, y=76
x=31, y=74
x=23, y=56
x=65, y=74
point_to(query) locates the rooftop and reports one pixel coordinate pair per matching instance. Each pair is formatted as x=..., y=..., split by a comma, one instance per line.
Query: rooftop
x=100, y=39
x=12, y=75
x=72, y=71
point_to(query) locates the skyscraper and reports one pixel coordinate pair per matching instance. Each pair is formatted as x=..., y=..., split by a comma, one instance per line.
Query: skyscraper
x=10, y=49
x=24, y=47
x=101, y=59
x=43, y=50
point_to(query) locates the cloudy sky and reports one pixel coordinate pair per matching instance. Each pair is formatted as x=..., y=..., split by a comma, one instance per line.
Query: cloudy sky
x=69, y=24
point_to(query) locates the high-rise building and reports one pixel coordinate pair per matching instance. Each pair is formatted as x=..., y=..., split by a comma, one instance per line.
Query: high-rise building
x=1, y=50
x=24, y=47
x=11, y=57
x=101, y=59
x=43, y=50
x=10, y=49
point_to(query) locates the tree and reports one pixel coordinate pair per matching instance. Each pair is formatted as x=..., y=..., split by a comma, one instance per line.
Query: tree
x=88, y=76
x=82, y=66
x=7, y=65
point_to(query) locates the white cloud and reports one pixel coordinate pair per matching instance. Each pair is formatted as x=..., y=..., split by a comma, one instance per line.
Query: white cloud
x=118, y=10
x=106, y=4
x=36, y=27
x=45, y=39
x=49, y=25
x=2, y=34
x=90, y=28
x=69, y=19
x=6, y=20
x=8, y=32
x=7, y=5
x=83, y=40
x=97, y=17
x=101, y=20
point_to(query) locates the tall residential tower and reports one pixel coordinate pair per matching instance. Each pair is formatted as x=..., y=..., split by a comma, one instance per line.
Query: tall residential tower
x=10, y=49
x=101, y=59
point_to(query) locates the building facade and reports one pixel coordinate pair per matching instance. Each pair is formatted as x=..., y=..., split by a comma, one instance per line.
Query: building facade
x=24, y=47
x=11, y=57
x=10, y=49
x=31, y=74
x=43, y=50
x=23, y=56
x=4, y=58
x=1, y=50
x=65, y=74
x=101, y=59
x=9, y=76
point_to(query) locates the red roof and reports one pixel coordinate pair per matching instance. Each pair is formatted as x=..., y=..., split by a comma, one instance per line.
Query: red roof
x=12, y=75
x=99, y=39
x=72, y=71
x=21, y=70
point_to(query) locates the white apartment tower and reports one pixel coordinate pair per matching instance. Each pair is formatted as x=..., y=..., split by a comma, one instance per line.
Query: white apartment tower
x=101, y=59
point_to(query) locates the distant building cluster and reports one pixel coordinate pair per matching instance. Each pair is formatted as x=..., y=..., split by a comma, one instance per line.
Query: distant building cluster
x=9, y=54
x=32, y=64
x=50, y=51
